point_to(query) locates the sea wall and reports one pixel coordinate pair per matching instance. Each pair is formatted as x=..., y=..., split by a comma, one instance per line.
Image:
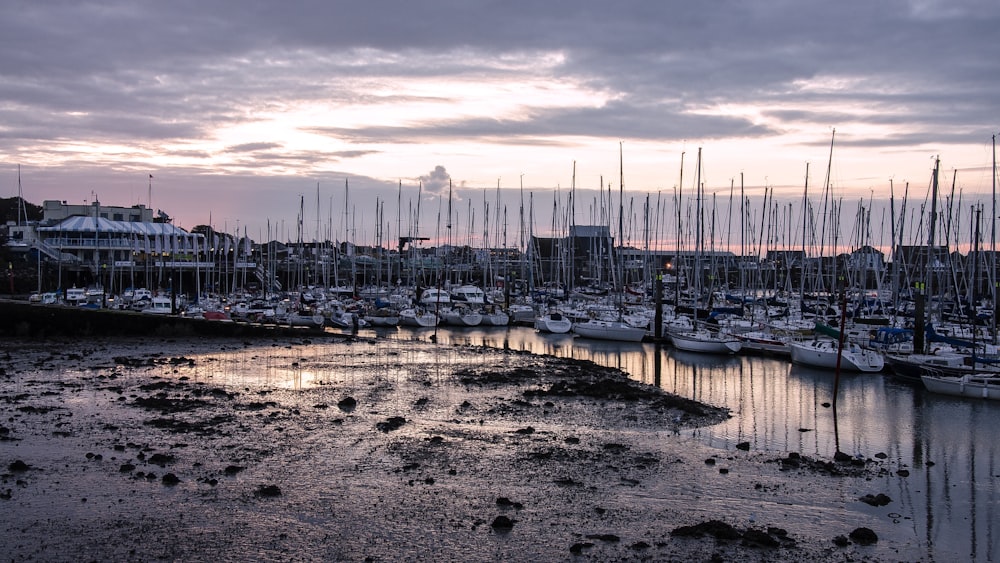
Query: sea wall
x=24, y=320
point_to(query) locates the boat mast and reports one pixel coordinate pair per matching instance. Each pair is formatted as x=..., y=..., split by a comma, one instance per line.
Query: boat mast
x=621, y=228
x=802, y=265
x=677, y=245
x=932, y=223
x=993, y=243
x=571, y=282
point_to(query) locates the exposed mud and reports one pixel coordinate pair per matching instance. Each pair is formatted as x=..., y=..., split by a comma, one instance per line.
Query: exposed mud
x=299, y=450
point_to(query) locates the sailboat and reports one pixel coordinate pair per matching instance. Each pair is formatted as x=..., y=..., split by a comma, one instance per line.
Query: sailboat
x=417, y=317
x=460, y=316
x=553, y=322
x=702, y=340
x=821, y=352
x=605, y=329
x=976, y=385
x=697, y=337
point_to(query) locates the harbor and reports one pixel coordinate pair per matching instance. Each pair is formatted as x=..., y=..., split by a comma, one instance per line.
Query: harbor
x=783, y=456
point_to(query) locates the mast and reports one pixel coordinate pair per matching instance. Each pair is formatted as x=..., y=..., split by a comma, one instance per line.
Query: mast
x=571, y=282
x=805, y=216
x=399, y=234
x=621, y=217
x=677, y=245
x=993, y=243
x=21, y=210
x=699, y=239
x=932, y=221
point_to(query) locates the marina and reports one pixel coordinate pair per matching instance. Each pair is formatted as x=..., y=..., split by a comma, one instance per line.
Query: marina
x=948, y=501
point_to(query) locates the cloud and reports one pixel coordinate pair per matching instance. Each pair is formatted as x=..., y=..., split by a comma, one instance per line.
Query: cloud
x=436, y=181
x=252, y=147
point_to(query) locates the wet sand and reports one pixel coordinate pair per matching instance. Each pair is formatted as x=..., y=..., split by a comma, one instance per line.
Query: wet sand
x=308, y=449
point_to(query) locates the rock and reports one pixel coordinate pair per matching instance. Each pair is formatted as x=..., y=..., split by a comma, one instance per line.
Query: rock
x=841, y=541
x=347, y=404
x=903, y=473
x=876, y=500
x=710, y=461
x=714, y=528
x=391, y=423
x=528, y=430
x=170, y=479
x=841, y=456
x=777, y=532
x=639, y=545
x=745, y=446
x=267, y=491
x=757, y=538
x=17, y=466
x=610, y=538
x=161, y=459
x=233, y=469
x=126, y=468
x=502, y=523
x=506, y=502
x=864, y=536
x=577, y=548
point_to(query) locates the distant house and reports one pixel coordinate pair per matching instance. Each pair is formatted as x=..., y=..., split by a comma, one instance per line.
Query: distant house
x=866, y=259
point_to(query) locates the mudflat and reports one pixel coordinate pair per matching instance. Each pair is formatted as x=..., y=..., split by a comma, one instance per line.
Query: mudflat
x=305, y=449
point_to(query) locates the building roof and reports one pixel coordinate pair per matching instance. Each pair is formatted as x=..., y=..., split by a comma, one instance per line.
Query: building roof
x=83, y=224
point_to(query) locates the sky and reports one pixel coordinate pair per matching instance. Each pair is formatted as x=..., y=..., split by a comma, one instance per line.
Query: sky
x=244, y=114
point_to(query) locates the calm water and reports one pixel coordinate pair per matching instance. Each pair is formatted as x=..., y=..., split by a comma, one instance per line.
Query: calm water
x=951, y=498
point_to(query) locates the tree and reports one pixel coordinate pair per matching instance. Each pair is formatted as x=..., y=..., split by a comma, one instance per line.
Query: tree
x=9, y=210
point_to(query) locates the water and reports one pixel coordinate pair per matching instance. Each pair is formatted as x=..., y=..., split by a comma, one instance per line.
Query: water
x=949, y=503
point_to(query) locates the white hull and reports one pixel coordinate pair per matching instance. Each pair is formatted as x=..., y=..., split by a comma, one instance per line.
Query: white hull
x=763, y=343
x=384, y=321
x=609, y=330
x=159, y=306
x=313, y=321
x=556, y=324
x=461, y=318
x=704, y=342
x=413, y=318
x=976, y=386
x=822, y=353
x=468, y=294
x=498, y=318
x=435, y=297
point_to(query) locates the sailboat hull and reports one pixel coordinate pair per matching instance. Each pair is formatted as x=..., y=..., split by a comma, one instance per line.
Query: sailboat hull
x=609, y=330
x=822, y=353
x=704, y=343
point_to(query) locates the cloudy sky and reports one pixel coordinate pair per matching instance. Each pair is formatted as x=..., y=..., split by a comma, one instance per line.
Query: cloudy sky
x=242, y=111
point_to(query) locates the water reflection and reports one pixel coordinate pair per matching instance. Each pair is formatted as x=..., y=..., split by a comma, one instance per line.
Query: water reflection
x=948, y=501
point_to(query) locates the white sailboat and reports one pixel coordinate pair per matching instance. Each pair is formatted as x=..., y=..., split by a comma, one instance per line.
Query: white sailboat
x=822, y=353
x=460, y=316
x=619, y=329
x=980, y=386
x=494, y=316
x=609, y=330
x=553, y=322
x=704, y=341
x=417, y=317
